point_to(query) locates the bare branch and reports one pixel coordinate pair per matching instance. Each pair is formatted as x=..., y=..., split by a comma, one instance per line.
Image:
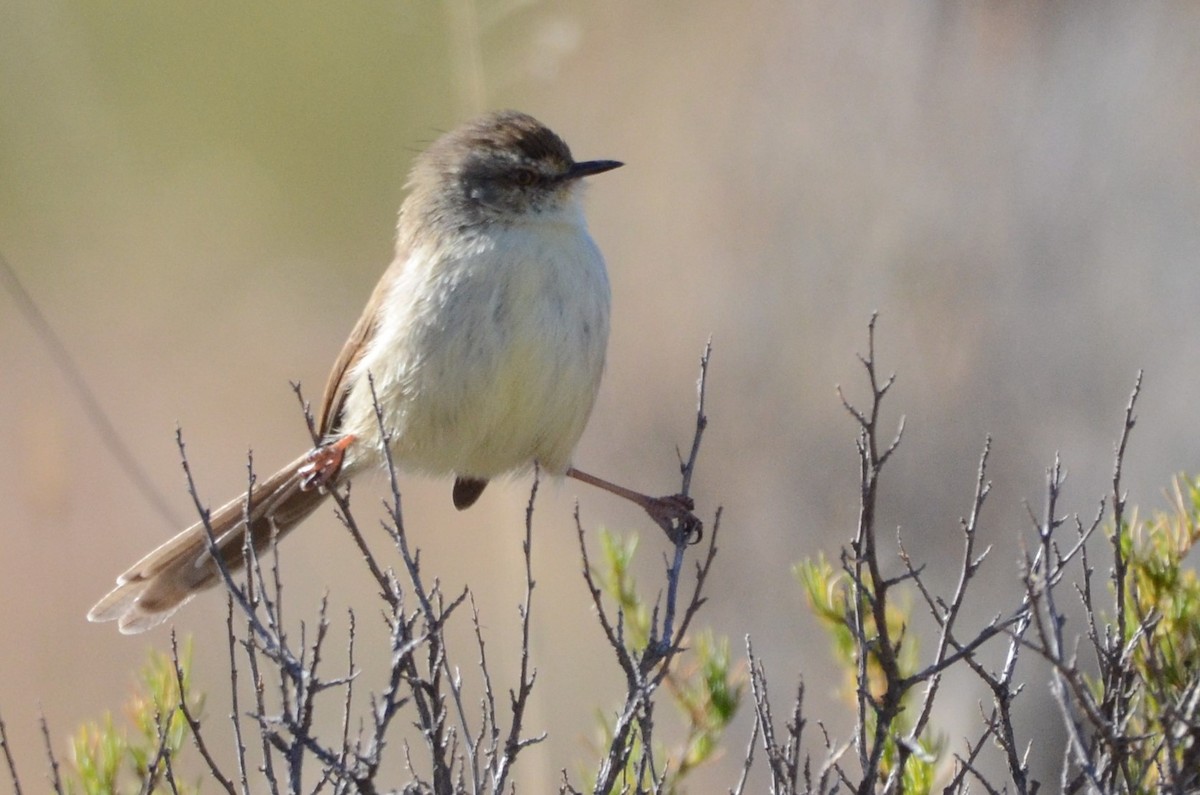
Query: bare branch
x=55, y=778
x=8, y=759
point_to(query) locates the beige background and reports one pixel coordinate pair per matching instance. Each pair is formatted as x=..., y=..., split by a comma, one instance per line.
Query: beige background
x=201, y=196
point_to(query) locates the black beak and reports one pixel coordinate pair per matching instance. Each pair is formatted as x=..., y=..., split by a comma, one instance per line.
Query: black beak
x=590, y=167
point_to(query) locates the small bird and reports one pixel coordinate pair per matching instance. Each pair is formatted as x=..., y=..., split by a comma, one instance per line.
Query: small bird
x=482, y=345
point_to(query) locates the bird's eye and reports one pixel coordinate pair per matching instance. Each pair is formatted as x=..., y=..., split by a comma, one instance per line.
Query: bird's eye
x=525, y=177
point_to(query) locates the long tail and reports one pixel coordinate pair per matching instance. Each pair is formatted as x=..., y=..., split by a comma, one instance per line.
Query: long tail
x=160, y=583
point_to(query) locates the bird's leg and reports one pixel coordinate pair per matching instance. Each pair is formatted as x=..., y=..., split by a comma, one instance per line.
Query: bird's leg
x=672, y=513
x=324, y=464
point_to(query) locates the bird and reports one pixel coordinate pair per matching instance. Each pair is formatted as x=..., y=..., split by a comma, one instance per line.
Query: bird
x=482, y=346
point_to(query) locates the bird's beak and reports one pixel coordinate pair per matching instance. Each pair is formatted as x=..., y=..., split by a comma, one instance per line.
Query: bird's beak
x=590, y=167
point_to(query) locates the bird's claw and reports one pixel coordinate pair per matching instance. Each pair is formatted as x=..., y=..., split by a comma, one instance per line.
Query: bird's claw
x=674, y=515
x=323, y=465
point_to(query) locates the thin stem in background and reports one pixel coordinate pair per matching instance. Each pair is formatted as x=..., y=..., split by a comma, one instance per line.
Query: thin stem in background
x=97, y=416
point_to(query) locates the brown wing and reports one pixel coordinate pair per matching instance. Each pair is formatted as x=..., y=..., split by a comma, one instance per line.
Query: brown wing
x=338, y=385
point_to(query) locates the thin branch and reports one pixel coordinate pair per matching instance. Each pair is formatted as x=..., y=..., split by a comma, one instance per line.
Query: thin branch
x=55, y=778
x=688, y=467
x=97, y=416
x=514, y=744
x=8, y=759
x=947, y=618
x=194, y=723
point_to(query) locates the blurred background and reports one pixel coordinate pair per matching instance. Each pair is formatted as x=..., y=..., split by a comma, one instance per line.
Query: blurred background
x=200, y=197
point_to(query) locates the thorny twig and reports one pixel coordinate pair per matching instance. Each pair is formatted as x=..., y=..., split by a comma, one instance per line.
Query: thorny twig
x=882, y=685
x=646, y=668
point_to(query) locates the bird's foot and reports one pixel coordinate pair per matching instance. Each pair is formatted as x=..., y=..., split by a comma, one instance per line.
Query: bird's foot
x=323, y=465
x=674, y=515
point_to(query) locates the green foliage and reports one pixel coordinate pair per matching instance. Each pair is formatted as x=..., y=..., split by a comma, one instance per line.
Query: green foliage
x=705, y=686
x=831, y=598
x=617, y=581
x=108, y=759
x=1162, y=627
x=707, y=691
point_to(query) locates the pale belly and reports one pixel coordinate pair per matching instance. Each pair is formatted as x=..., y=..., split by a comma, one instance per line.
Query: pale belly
x=491, y=364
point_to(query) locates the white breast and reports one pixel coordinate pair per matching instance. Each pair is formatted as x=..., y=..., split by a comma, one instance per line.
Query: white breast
x=489, y=353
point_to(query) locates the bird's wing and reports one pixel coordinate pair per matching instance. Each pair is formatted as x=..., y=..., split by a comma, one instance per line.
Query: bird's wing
x=360, y=338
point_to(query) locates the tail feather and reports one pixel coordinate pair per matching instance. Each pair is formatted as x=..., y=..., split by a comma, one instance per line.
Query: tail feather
x=161, y=582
